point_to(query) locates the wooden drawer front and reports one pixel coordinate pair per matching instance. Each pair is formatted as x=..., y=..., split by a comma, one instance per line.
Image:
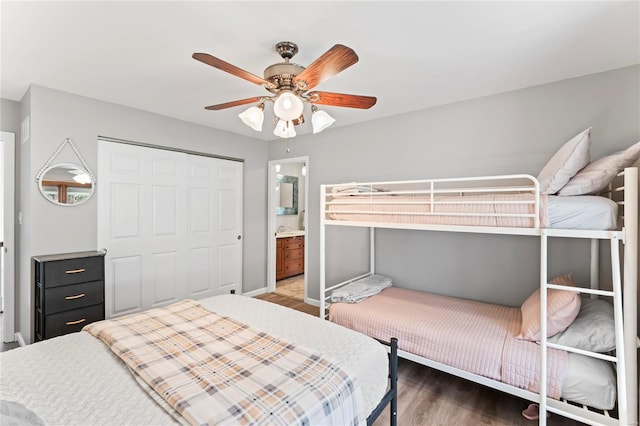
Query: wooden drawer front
x=74, y=296
x=279, y=243
x=294, y=254
x=294, y=243
x=72, y=321
x=71, y=271
x=294, y=267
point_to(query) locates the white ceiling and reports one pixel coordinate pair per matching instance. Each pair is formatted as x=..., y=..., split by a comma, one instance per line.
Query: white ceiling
x=413, y=55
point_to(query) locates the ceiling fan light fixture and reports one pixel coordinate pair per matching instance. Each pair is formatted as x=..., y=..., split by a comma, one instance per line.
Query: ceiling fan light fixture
x=320, y=120
x=284, y=129
x=253, y=117
x=288, y=106
x=82, y=178
x=290, y=88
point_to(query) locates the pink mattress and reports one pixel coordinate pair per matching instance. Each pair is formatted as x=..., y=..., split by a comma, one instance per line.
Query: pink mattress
x=471, y=336
x=491, y=210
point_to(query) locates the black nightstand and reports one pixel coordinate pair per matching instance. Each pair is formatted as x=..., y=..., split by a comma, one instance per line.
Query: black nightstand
x=69, y=292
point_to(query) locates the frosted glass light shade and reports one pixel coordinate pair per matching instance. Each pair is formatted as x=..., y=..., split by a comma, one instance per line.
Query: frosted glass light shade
x=253, y=117
x=284, y=129
x=288, y=106
x=320, y=120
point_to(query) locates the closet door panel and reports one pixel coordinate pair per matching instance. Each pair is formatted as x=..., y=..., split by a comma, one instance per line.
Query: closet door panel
x=125, y=275
x=122, y=228
x=167, y=263
x=166, y=278
x=125, y=210
x=199, y=277
x=200, y=205
x=229, y=224
x=164, y=210
x=227, y=255
x=202, y=236
x=168, y=220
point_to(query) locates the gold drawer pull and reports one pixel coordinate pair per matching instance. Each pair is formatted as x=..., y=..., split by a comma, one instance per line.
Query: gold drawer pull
x=77, y=296
x=76, y=322
x=75, y=271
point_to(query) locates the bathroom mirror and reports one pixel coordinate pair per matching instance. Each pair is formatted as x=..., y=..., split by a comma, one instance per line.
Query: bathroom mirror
x=66, y=184
x=287, y=187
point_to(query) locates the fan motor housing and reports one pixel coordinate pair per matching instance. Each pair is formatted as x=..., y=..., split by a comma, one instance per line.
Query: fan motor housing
x=281, y=74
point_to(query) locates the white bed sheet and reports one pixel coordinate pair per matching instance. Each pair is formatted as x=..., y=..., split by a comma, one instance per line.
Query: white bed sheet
x=582, y=212
x=76, y=380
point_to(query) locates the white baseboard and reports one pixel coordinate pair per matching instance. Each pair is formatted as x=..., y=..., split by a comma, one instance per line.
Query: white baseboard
x=257, y=292
x=20, y=339
x=312, y=302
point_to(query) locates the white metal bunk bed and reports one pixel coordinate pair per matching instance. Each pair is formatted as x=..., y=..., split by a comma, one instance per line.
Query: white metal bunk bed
x=438, y=205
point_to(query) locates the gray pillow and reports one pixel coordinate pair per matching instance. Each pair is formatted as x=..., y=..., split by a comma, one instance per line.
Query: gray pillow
x=592, y=330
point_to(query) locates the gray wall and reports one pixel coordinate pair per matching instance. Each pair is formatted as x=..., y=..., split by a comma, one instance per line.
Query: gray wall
x=515, y=132
x=10, y=117
x=56, y=115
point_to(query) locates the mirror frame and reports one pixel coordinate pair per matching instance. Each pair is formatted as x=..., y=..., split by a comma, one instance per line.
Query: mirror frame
x=280, y=211
x=41, y=179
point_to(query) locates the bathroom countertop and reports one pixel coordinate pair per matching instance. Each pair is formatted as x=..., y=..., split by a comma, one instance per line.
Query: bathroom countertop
x=286, y=234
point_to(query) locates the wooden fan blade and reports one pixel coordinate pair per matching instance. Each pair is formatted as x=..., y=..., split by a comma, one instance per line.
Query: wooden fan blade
x=231, y=69
x=234, y=103
x=342, y=100
x=334, y=60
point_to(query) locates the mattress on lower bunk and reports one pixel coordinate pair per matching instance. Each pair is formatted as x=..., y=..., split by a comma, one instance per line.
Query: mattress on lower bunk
x=474, y=337
x=76, y=380
x=489, y=210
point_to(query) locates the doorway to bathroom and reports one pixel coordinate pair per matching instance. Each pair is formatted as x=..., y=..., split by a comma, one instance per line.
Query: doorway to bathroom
x=288, y=240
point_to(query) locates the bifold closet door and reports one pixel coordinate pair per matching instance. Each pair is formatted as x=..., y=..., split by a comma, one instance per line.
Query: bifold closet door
x=171, y=223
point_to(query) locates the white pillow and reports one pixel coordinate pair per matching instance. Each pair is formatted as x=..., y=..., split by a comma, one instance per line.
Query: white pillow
x=592, y=330
x=597, y=175
x=565, y=163
x=590, y=381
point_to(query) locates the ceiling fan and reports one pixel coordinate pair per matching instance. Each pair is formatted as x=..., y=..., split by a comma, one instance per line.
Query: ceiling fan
x=289, y=84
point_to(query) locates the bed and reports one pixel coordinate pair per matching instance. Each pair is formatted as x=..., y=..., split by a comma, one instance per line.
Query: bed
x=515, y=206
x=596, y=201
x=77, y=379
x=479, y=338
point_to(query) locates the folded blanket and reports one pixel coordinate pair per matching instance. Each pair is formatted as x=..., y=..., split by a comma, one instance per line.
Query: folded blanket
x=360, y=289
x=215, y=370
x=354, y=189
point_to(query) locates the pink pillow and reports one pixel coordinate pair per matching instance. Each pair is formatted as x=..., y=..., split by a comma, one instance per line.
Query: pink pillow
x=562, y=308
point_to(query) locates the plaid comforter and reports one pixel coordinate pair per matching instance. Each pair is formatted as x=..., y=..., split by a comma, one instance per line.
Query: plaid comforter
x=215, y=370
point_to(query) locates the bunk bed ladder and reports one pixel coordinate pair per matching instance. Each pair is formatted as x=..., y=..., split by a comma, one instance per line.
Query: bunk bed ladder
x=543, y=328
x=616, y=294
x=631, y=289
x=625, y=309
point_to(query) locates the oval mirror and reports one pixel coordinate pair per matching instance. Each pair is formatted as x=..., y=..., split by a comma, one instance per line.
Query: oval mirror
x=66, y=184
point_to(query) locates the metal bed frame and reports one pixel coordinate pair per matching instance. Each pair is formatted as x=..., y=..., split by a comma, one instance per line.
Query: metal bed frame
x=391, y=396
x=625, y=311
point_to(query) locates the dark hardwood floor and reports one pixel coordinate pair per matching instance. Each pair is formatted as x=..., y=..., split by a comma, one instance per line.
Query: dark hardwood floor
x=430, y=397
